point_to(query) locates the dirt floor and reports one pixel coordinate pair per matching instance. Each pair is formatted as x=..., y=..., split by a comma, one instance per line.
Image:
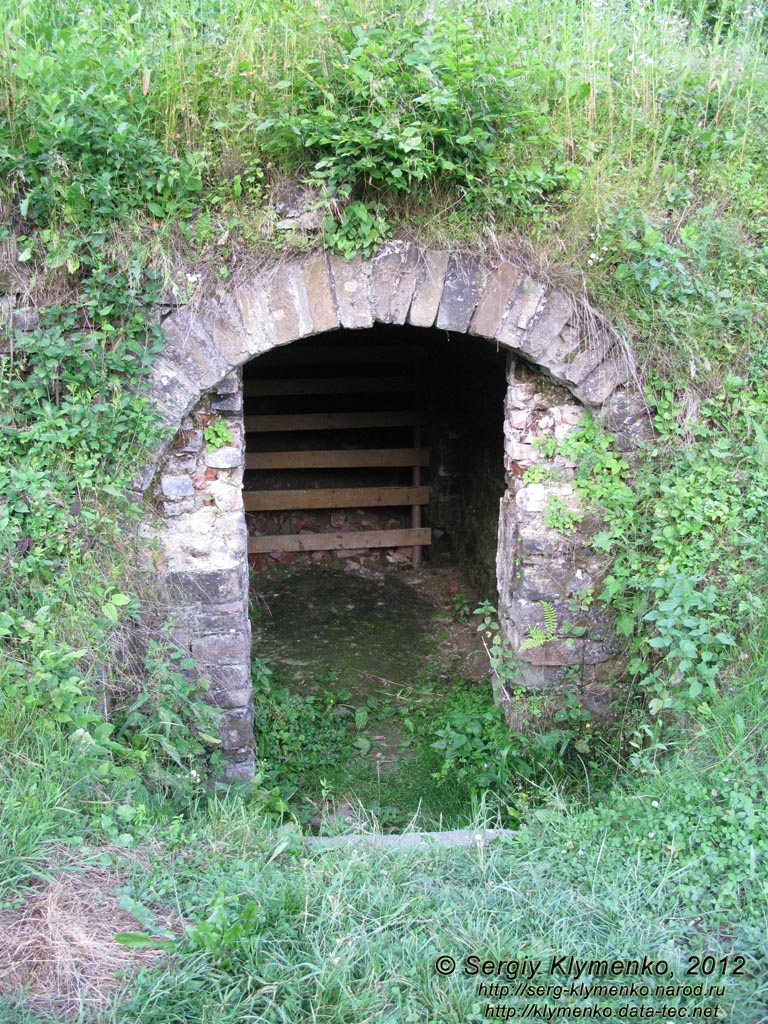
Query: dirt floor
x=373, y=629
x=365, y=628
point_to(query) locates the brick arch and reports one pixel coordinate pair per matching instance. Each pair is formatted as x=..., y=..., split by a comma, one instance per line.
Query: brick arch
x=193, y=502
x=406, y=285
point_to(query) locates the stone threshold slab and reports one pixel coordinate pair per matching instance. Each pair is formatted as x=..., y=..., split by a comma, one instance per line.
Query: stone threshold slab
x=460, y=837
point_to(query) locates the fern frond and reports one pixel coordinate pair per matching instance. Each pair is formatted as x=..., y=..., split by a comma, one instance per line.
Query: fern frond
x=536, y=638
x=550, y=619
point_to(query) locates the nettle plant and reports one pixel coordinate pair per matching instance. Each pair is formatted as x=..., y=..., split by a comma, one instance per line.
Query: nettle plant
x=679, y=537
x=76, y=149
x=414, y=105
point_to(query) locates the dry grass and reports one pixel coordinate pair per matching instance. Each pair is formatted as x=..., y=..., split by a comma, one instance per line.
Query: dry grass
x=58, y=954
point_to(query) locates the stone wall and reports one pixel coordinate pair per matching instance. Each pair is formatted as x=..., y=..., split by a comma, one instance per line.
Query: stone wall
x=538, y=562
x=195, y=532
x=468, y=385
x=558, y=367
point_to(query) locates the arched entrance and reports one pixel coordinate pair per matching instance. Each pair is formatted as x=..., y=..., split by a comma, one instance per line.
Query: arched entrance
x=555, y=368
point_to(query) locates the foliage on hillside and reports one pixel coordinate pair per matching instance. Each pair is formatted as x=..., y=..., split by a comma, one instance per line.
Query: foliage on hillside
x=617, y=148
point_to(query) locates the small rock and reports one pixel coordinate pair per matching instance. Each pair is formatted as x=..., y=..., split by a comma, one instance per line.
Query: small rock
x=177, y=486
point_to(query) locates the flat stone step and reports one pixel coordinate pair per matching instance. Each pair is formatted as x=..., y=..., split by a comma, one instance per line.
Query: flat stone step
x=457, y=837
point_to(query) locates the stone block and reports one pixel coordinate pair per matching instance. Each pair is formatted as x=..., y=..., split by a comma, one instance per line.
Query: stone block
x=25, y=320
x=500, y=285
x=428, y=289
x=257, y=322
x=172, y=390
x=627, y=416
x=546, y=579
x=236, y=730
x=229, y=338
x=535, y=497
x=525, y=614
x=351, y=284
x=177, y=508
x=318, y=295
x=208, y=588
x=524, y=304
x=227, y=497
x=221, y=619
x=534, y=545
x=288, y=320
x=522, y=454
x=555, y=652
x=228, y=457
x=532, y=526
x=176, y=486
x=221, y=695
x=242, y=766
x=233, y=646
x=177, y=465
x=228, y=403
x=518, y=419
x=604, y=379
x=229, y=385
x=571, y=359
x=460, y=294
x=543, y=331
x=393, y=279
x=189, y=346
x=143, y=477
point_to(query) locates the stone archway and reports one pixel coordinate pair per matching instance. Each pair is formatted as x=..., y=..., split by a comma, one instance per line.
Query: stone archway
x=194, y=509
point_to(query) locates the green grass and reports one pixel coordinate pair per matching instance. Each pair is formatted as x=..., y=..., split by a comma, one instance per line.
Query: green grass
x=615, y=148
x=334, y=936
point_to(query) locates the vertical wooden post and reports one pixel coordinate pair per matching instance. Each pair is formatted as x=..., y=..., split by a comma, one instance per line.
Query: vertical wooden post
x=416, y=509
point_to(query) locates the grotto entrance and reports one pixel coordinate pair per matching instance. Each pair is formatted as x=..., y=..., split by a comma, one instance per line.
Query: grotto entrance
x=357, y=443
x=560, y=361
x=387, y=442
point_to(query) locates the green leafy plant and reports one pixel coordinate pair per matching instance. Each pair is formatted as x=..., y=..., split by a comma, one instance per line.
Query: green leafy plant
x=413, y=104
x=75, y=148
x=360, y=229
x=217, y=434
x=299, y=737
x=561, y=517
x=538, y=637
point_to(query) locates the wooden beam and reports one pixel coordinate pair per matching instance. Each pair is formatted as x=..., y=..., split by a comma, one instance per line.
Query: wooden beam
x=330, y=386
x=331, y=421
x=340, y=541
x=336, y=497
x=322, y=355
x=358, y=458
x=416, y=509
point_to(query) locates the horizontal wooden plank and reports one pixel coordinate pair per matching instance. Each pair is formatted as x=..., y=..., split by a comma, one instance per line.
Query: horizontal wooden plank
x=334, y=355
x=340, y=541
x=330, y=386
x=352, y=458
x=331, y=421
x=335, y=497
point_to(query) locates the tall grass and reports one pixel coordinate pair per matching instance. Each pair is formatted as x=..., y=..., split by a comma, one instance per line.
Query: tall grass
x=625, y=85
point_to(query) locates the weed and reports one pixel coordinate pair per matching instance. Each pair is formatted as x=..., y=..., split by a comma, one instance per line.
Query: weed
x=217, y=434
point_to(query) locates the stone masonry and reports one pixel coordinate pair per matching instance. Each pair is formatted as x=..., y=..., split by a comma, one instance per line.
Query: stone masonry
x=544, y=552
x=194, y=514
x=196, y=534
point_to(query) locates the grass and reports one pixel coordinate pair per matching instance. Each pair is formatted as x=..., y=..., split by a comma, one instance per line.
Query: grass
x=618, y=149
x=276, y=933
